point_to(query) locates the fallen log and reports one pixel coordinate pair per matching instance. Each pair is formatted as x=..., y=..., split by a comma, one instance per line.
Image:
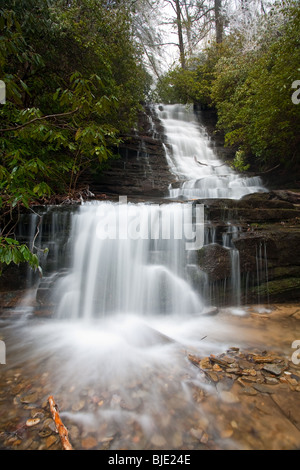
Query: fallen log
x=60, y=427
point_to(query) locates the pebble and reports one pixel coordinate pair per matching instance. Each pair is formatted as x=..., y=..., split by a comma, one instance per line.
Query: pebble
x=79, y=405
x=271, y=380
x=226, y=433
x=251, y=372
x=197, y=433
x=158, y=440
x=205, y=363
x=37, y=413
x=32, y=422
x=45, y=432
x=213, y=376
x=204, y=439
x=89, y=443
x=50, y=441
x=30, y=398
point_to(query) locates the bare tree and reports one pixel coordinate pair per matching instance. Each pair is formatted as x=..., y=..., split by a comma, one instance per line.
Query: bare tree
x=218, y=20
x=192, y=20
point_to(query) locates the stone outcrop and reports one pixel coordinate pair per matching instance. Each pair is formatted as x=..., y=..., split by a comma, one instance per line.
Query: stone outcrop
x=267, y=239
x=141, y=169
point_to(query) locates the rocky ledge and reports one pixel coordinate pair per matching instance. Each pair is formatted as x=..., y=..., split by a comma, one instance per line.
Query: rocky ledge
x=265, y=231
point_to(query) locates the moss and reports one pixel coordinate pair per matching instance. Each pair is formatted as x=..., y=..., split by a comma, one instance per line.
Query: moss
x=285, y=272
x=279, y=289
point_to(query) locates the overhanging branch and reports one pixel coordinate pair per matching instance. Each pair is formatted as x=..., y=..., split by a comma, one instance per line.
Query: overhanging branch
x=41, y=118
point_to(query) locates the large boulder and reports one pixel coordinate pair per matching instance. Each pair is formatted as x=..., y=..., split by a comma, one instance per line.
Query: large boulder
x=215, y=261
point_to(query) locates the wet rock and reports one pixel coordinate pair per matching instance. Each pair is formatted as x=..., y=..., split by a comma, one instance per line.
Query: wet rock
x=51, y=441
x=228, y=397
x=49, y=424
x=89, y=443
x=45, y=432
x=226, y=433
x=210, y=311
x=215, y=261
x=78, y=405
x=205, y=363
x=197, y=433
x=263, y=388
x=248, y=391
x=37, y=413
x=271, y=380
x=29, y=398
x=275, y=369
x=32, y=422
x=158, y=440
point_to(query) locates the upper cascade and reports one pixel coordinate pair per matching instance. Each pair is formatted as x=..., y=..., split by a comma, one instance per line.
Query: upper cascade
x=199, y=171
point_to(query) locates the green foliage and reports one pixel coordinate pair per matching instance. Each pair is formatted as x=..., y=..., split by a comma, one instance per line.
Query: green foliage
x=192, y=84
x=11, y=251
x=239, y=162
x=252, y=93
x=74, y=82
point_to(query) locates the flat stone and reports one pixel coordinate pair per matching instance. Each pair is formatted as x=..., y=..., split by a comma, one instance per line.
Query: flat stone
x=271, y=380
x=50, y=441
x=89, y=443
x=263, y=388
x=275, y=369
x=248, y=391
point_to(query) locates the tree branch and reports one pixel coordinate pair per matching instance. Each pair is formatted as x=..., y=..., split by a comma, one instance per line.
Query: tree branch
x=42, y=118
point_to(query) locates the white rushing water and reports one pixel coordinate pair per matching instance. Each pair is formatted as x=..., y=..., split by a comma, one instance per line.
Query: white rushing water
x=194, y=163
x=130, y=259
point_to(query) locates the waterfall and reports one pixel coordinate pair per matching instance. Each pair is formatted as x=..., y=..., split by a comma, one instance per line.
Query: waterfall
x=130, y=259
x=122, y=304
x=194, y=163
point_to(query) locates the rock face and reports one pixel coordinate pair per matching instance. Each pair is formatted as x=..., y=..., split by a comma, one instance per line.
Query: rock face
x=267, y=238
x=142, y=169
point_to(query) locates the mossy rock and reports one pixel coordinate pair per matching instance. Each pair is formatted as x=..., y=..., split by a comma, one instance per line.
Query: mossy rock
x=278, y=290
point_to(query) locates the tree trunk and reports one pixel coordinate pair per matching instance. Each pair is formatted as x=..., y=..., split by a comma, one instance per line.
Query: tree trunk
x=218, y=21
x=180, y=34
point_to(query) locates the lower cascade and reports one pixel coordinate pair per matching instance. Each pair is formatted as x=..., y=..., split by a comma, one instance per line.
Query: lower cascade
x=131, y=259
